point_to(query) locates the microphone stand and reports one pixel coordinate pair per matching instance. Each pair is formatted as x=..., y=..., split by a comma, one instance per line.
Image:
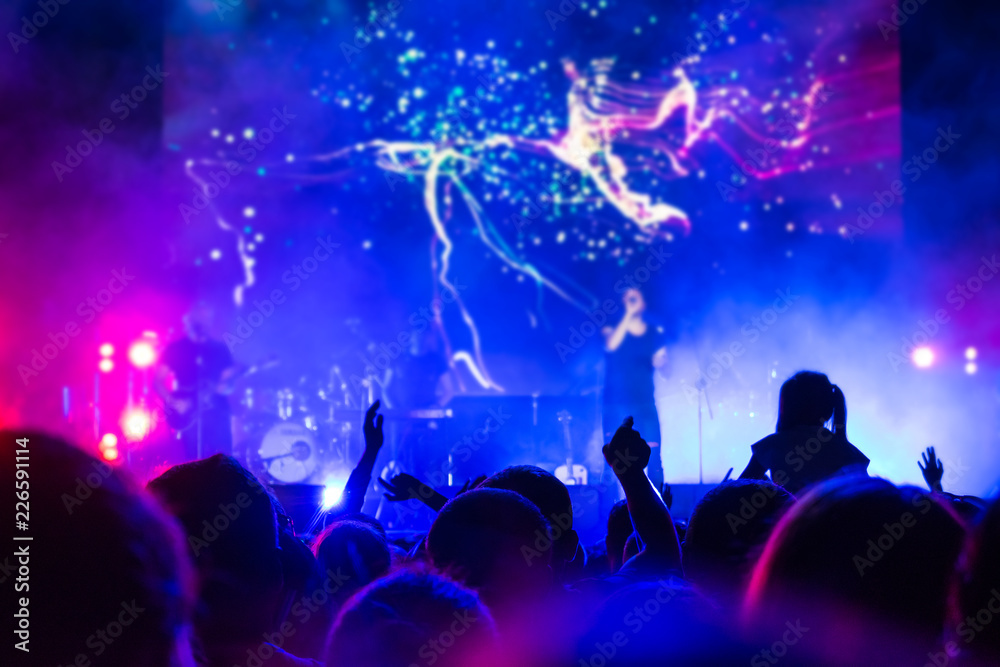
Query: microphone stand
x=702, y=391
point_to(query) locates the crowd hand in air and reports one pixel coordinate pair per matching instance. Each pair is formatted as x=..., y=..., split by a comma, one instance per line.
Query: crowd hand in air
x=932, y=469
x=407, y=487
x=361, y=476
x=374, y=436
x=628, y=454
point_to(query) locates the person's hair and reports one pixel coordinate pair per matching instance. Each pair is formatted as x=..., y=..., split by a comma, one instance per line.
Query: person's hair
x=232, y=536
x=412, y=616
x=619, y=528
x=976, y=586
x=354, y=553
x=863, y=545
x=809, y=398
x=103, y=554
x=728, y=530
x=548, y=494
x=490, y=539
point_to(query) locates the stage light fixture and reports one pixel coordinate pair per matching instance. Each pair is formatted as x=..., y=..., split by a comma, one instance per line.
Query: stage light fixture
x=971, y=368
x=106, y=365
x=923, y=357
x=106, y=350
x=142, y=354
x=971, y=353
x=108, y=441
x=332, y=495
x=109, y=454
x=136, y=424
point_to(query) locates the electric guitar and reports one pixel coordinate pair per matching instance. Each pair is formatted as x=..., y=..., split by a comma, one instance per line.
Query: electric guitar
x=185, y=406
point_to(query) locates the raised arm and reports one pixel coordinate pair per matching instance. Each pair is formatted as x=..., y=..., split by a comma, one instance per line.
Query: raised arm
x=628, y=454
x=361, y=476
x=613, y=338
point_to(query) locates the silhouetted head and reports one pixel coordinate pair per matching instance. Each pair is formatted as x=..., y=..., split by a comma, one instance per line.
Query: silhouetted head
x=232, y=536
x=494, y=541
x=727, y=532
x=550, y=496
x=619, y=528
x=352, y=553
x=412, y=617
x=809, y=399
x=103, y=557
x=976, y=591
x=861, y=550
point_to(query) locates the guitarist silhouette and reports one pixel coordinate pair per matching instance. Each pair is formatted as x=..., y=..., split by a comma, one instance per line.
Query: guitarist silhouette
x=197, y=408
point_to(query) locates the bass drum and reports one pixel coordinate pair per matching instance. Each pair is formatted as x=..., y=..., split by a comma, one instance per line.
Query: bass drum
x=289, y=453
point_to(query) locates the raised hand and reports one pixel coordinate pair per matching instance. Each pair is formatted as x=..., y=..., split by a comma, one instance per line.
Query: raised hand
x=932, y=469
x=407, y=487
x=627, y=453
x=374, y=437
x=404, y=487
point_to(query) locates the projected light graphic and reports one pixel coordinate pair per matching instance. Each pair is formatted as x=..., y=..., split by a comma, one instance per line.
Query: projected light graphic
x=618, y=147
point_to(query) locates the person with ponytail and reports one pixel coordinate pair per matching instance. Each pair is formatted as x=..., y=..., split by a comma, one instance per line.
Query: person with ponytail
x=802, y=450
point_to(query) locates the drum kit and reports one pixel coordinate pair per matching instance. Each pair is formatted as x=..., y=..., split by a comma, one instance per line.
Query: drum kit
x=298, y=433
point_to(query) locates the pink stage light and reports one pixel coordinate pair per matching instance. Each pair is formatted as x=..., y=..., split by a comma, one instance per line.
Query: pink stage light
x=136, y=424
x=106, y=350
x=142, y=354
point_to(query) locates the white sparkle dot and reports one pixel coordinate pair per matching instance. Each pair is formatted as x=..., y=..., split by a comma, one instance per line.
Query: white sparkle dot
x=249, y=212
x=215, y=254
